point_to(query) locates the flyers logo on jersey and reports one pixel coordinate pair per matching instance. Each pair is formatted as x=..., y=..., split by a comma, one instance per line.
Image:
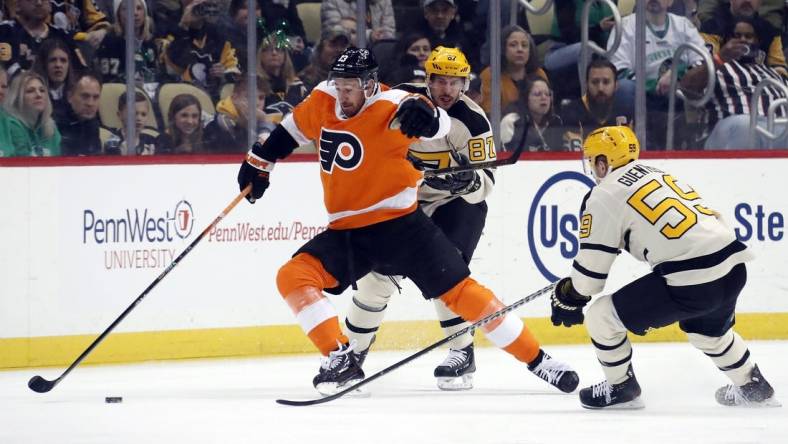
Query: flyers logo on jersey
x=340, y=148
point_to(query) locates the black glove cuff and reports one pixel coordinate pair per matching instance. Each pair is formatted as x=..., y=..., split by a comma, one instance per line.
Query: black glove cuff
x=569, y=295
x=472, y=186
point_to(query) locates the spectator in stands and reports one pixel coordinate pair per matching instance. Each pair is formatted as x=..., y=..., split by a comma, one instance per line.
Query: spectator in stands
x=110, y=59
x=275, y=66
x=143, y=144
x=331, y=45
x=184, y=134
x=32, y=130
x=79, y=126
x=532, y=121
x=481, y=20
x=718, y=28
x=167, y=16
x=54, y=63
x=407, y=57
x=234, y=28
x=6, y=146
x=227, y=133
x=3, y=84
x=688, y=9
x=416, y=45
x=728, y=111
x=664, y=33
x=518, y=62
x=201, y=55
x=20, y=39
x=351, y=26
x=73, y=16
x=105, y=5
x=773, y=11
x=562, y=58
x=598, y=107
x=440, y=26
x=380, y=17
x=276, y=12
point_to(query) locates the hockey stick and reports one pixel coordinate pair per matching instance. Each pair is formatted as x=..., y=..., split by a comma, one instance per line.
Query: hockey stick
x=41, y=385
x=420, y=353
x=477, y=166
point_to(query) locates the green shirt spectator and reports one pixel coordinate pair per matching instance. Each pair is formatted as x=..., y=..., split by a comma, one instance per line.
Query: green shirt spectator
x=6, y=146
x=33, y=142
x=31, y=128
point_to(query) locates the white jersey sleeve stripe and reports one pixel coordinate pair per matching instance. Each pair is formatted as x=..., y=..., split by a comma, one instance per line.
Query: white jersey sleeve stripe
x=292, y=128
x=585, y=271
x=600, y=247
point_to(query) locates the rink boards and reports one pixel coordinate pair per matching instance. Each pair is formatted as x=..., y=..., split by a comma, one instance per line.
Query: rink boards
x=80, y=243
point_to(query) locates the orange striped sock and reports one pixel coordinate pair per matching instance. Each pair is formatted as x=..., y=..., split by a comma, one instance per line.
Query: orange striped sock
x=473, y=301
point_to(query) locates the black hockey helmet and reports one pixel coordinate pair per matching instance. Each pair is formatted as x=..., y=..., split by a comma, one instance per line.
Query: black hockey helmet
x=355, y=63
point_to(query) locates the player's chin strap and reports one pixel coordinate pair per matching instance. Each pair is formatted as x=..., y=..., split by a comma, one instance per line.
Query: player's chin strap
x=374, y=92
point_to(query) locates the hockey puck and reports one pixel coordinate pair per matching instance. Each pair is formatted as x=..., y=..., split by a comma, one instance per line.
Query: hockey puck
x=113, y=399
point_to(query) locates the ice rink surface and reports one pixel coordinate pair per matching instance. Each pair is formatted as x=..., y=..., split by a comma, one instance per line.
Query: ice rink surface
x=232, y=401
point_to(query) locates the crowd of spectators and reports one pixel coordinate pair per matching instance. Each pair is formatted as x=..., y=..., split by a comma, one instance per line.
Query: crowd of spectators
x=63, y=66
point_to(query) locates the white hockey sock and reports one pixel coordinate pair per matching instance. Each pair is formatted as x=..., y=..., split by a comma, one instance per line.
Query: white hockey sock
x=362, y=322
x=609, y=337
x=367, y=309
x=451, y=323
x=729, y=353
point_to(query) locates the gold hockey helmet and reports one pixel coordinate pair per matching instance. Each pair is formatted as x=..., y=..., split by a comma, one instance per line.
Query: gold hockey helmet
x=448, y=62
x=618, y=144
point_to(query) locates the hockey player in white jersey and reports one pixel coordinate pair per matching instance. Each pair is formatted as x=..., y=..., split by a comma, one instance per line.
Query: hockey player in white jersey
x=697, y=273
x=455, y=203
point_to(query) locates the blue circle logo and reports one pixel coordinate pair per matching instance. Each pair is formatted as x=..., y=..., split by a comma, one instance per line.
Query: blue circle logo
x=557, y=219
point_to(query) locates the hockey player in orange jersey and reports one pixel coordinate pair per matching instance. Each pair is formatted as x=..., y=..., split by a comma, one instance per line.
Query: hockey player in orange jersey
x=375, y=224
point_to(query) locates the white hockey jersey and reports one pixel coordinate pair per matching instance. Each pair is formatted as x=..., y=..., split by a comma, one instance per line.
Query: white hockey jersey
x=659, y=46
x=657, y=219
x=471, y=135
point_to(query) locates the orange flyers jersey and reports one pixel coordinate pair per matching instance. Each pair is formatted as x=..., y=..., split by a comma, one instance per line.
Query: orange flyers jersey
x=363, y=165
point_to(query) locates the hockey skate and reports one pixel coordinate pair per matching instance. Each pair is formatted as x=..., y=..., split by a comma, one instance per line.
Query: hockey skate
x=361, y=357
x=554, y=372
x=624, y=396
x=338, y=370
x=456, y=371
x=756, y=393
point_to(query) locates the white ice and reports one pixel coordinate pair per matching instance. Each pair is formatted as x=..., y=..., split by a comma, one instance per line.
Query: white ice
x=232, y=401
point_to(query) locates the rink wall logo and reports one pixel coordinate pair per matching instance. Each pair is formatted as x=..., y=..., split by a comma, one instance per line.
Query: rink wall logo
x=138, y=225
x=553, y=222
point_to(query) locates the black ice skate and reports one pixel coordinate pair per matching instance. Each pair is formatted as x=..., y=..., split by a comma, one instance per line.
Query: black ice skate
x=338, y=371
x=556, y=373
x=361, y=357
x=624, y=396
x=456, y=371
x=756, y=393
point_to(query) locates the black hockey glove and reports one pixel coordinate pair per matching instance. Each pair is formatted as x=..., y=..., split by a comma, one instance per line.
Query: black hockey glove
x=567, y=304
x=457, y=183
x=417, y=117
x=255, y=170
